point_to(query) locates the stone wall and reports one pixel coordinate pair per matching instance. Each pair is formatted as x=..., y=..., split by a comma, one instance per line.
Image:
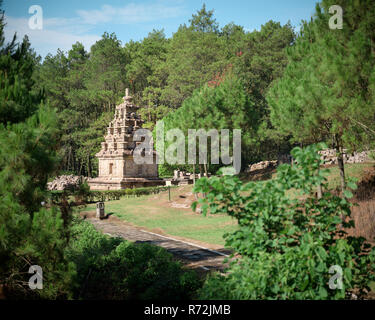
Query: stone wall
x=329, y=156
x=262, y=165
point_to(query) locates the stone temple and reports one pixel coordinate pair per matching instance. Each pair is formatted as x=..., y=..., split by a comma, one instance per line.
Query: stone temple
x=117, y=169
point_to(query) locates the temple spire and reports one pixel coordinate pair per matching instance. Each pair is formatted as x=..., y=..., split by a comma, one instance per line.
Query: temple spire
x=117, y=167
x=127, y=98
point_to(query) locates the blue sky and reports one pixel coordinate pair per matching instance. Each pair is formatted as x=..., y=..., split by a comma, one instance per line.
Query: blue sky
x=68, y=21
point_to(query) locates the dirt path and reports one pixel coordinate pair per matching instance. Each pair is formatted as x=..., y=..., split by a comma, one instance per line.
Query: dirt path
x=192, y=255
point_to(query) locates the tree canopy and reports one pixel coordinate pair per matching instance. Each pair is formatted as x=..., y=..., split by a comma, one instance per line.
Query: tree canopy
x=327, y=90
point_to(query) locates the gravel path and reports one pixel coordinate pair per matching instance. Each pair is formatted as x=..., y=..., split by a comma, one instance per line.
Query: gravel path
x=192, y=255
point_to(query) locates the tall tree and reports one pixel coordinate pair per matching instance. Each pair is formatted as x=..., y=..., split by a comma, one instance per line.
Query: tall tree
x=105, y=72
x=144, y=60
x=18, y=97
x=259, y=61
x=195, y=54
x=224, y=106
x=235, y=39
x=82, y=86
x=327, y=90
x=29, y=233
x=203, y=21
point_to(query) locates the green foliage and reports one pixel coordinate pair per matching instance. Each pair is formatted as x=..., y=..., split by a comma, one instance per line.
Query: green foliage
x=250, y=63
x=287, y=245
x=203, y=21
x=27, y=157
x=111, y=268
x=161, y=73
x=262, y=60
x=29, y=234
x=18, y=100
x=88, y=143
x=193, y=58
x=210, y=107
x=84, y=87
x=143, y=69
x=84, y=193
x=105, y=71
x=327, y=90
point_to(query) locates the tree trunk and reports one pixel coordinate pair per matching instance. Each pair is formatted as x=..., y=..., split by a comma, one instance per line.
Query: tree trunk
x=149, y=112
x=340, y=162
x=319, y=187
x=320, y=192
x=193, y=174
x=88, y=166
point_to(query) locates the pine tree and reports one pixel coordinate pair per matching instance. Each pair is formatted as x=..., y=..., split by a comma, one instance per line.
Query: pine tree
x=225, y=106
x=105, y=72
x=195, y=54
x=17, y=99
x=326, y=92
x=204, y=21
x=30, y=234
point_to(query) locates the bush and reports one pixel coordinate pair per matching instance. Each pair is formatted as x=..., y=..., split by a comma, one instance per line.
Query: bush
x=287, y=244
x=41, y=241
x=31, y=234
x=88, y=196
x=111, y=268
x=82, y=193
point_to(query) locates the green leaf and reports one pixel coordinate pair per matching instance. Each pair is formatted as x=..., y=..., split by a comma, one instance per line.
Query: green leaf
x=348, y=194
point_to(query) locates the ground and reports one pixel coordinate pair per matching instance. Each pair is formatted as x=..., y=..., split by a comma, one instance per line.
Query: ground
x=197, y=240
x=157, y=214
x=199, y=256
x=175, y=217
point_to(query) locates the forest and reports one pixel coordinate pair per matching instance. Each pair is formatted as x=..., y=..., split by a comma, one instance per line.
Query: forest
x=85, y=84
x=286, y=88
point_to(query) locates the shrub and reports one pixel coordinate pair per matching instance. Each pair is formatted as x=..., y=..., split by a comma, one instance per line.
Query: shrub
x=111, y=268
x=84, y=194
x=287, y=244
x=41, y=241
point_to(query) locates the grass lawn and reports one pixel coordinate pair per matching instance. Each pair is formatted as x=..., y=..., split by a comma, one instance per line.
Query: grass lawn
x=356, y=170
x=352, y=170
x=154, y=212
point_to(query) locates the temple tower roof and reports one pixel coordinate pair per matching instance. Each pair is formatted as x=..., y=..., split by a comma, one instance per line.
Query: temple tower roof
x=119, y=137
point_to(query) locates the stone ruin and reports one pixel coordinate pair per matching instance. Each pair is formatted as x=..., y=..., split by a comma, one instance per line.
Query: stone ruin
x=183, y=178
x=66, y=182
x=329, y=156
x=262, y=165
x=117, y=169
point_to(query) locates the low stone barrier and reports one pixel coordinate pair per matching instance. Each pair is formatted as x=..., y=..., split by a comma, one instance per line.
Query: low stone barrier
x=329, y=156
